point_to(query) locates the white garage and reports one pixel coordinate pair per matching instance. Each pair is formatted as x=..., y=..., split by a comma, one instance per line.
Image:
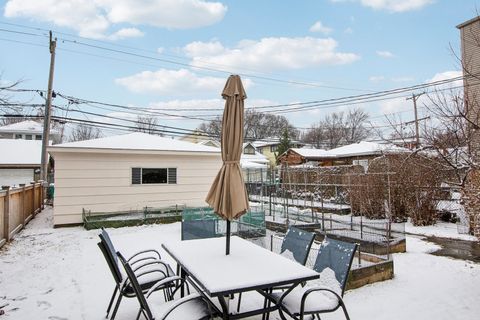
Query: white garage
x=19, y=161
x=130, y=172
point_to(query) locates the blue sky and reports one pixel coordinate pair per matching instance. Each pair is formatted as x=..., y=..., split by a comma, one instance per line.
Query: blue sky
x=351, y=46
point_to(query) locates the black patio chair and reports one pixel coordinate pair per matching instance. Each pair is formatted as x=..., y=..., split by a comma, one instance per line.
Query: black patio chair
x=296, y=244
x=150, y=269
x=322, y=296
x=193, y=306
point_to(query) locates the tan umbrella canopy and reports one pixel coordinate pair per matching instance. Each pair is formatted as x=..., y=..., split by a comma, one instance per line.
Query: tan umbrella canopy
x=228, y=195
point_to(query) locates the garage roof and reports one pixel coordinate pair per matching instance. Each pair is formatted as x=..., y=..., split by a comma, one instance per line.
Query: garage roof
x=136, y=141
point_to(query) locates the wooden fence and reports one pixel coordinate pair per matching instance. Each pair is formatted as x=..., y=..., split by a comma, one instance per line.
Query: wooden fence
x=17, y=207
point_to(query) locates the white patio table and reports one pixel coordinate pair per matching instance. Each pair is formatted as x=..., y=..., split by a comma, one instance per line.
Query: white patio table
x=248, y=267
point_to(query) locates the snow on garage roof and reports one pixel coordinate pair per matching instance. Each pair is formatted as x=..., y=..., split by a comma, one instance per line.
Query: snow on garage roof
x=29, y=126
x=311, y=153
x=136, y=141
x=364, y=148
x=20, y=152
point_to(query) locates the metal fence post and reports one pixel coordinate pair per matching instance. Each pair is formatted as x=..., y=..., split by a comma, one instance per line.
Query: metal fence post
x=6, y=213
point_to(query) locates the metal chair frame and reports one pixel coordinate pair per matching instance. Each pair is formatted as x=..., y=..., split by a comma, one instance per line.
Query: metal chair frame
x=341, y=304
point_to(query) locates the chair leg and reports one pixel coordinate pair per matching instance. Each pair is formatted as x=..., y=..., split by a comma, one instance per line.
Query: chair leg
x=239, y=301
x=269, y=303
x=116, y=307
x=345, y=311
x=111, y=301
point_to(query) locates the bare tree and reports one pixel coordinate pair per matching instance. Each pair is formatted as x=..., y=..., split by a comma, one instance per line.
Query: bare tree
x=356, y=130
x=84, y=132
x=257, y=125
x=338, y=128
x=212, y=127
x=315, y=136
x=260, y=125
x=9, y=106
x=148, y=124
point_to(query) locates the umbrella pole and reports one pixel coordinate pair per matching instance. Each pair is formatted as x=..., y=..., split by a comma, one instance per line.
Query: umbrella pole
x=227, y=251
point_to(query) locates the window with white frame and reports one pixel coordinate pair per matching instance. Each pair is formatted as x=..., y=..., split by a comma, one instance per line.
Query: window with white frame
x=154, y=175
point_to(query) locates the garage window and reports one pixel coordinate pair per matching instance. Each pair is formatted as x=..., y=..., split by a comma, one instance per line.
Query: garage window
x=154, y=175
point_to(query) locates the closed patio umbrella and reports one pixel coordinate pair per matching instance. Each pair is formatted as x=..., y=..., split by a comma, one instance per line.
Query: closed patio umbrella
x=228, y=195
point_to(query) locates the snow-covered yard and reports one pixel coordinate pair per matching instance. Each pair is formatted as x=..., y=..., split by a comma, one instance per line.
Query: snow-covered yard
x=48, y=273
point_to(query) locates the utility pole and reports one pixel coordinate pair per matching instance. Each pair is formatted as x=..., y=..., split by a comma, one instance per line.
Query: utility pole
x=48, y=107
x=417, y=134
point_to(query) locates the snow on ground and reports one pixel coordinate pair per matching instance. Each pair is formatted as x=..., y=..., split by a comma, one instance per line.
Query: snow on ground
x=60, y=274
x=440, y=229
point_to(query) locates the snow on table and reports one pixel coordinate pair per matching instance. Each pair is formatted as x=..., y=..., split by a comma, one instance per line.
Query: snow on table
x=247, y=266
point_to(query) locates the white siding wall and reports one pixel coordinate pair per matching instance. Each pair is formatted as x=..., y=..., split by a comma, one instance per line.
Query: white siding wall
x=14, y=177
x=101, y=182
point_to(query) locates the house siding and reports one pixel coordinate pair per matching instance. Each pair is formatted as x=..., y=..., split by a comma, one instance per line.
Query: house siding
x=101, y=182
x=470, y=39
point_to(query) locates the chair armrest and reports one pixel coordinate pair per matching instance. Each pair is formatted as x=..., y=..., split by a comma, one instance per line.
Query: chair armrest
x=155, y=252
x=142, y=259
x=183, y=300
x=158, y=262
x=305, y=295
x=161, y=283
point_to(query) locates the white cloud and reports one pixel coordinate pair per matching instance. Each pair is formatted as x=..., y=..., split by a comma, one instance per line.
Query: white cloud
x=348, y=30
x=319, y=27
x=446, y=75
x=385, y=54
x=395, y=105
x=268, y=54
x=174, y=82
x=402, y=79
x=218, y=103
x=391, y=5
x=396, y=5
x=126, y=33
x=94, y=19
x=376, y=78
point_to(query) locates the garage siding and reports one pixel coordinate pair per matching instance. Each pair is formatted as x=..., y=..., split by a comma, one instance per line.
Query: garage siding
x=101, y=182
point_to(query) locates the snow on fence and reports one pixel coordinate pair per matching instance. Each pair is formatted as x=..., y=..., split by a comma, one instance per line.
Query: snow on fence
x=17, y=207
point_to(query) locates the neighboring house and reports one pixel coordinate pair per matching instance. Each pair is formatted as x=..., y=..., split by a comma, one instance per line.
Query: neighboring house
x=470, y=39
x=296, y=156
x=27, y=130
x=269, y=148
x=353, y=154
x=469, y=34
x=19, y=161
x=130, y=172
x=196, y=136
x=254, y=164
x=209, y=143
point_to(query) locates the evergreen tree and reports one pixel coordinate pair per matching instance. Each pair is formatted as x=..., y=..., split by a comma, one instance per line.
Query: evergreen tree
x=285, y=143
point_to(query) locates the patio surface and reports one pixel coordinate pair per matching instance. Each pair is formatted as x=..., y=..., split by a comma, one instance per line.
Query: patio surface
x=60, y=274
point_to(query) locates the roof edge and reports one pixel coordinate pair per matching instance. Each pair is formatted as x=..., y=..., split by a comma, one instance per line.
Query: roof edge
x=55, y=149
x=466, y=23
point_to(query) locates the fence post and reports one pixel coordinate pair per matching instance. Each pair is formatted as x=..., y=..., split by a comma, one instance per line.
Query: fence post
x=24, y=214
x=34, y=210
x=6, y=213
x=42, y=194
x=361, y=227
